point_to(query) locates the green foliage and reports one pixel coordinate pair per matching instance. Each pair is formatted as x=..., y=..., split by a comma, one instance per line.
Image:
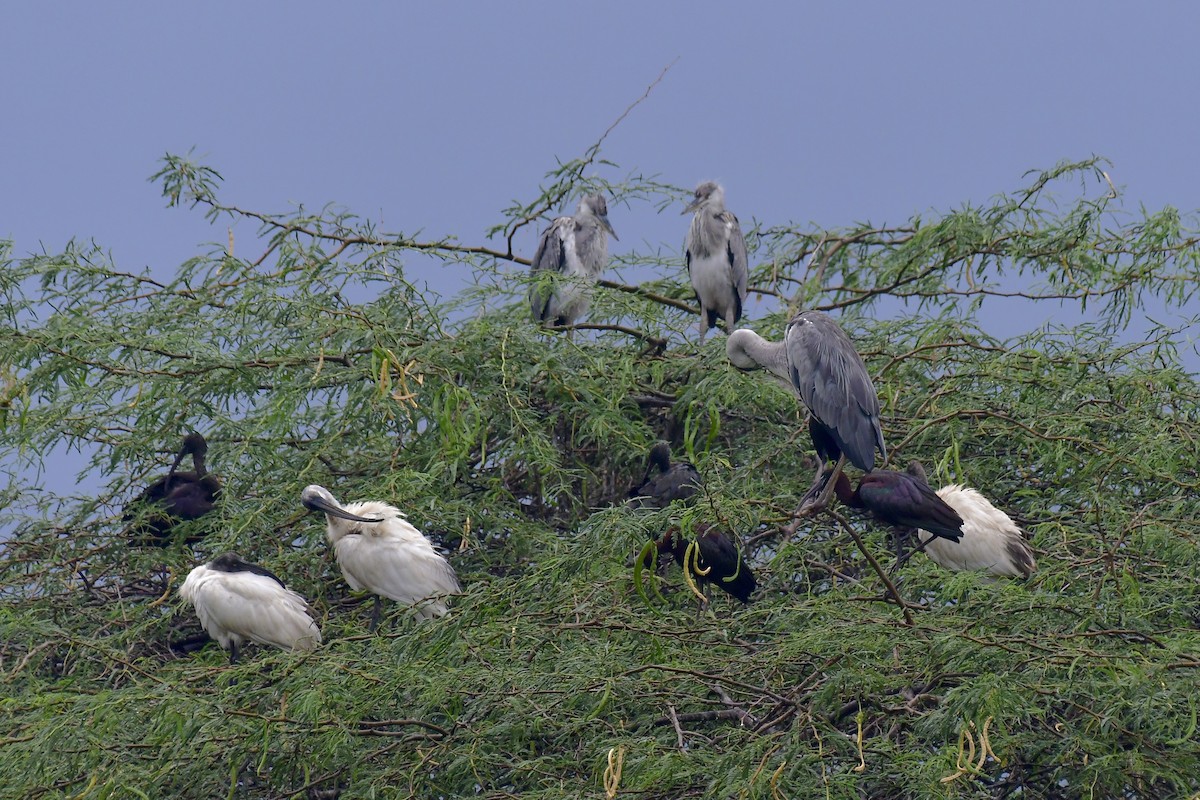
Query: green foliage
x=319, y=361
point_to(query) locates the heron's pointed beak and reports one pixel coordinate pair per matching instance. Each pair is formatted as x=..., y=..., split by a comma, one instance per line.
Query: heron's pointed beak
x=333, y=510
x=692, y=206
x=608, y=227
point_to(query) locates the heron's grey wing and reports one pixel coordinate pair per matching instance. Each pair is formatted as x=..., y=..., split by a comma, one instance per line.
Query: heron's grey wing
x=738, y=262
x=833, y=382
x=551, y=255
x=552, y=250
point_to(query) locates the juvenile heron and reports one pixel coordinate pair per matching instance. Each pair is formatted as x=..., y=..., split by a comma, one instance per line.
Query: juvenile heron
x=576, y=249
x=238, y=602
x=904, y=500
x=718, y=560
x=991, y=541
x=677, y=480
x=378, y=550
x=715, y=252
x=174, y=497
x=817, y=361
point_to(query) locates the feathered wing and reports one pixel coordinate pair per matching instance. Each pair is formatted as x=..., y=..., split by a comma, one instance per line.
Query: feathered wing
x=730, y=570
x=739, y=267
x=400, y=564
x=991, y=540
x=551, y=255
x=834, y=384
x=239, y=606
x=901, y=499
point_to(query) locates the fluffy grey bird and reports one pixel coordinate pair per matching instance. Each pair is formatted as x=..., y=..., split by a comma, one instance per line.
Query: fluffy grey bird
x=576, y=249
x=715, y=252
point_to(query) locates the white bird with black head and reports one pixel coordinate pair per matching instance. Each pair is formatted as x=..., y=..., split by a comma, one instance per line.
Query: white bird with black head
x=576, y=249
x=380, y=551
x=715, y=252
x=818, y=362
x=238, y=602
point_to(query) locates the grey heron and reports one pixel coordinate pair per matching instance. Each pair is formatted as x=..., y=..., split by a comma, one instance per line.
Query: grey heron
x=991, y=541
x=717, y=559
x=673, y=480
x=715, y=252
x=818, y=362
x=576, y=250
x=238, y=602
x=176, y=496
x=378, y=550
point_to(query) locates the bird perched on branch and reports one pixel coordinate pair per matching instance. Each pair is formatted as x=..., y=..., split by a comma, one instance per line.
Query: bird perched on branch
x=379, y=551
x=818, y=362
x=237, y=602
x=664, y=480
x=904, y=500
x=174, y=497
x=991, y=541
x=715, y=253
x=576, y=250
x=711, y=559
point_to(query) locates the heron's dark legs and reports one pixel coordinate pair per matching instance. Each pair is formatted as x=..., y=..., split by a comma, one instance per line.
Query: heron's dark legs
x=233, y=653
x=376, y=613
x=817, y=498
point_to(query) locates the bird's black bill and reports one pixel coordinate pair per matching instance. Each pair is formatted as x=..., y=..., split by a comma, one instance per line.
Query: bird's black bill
x=336, y=511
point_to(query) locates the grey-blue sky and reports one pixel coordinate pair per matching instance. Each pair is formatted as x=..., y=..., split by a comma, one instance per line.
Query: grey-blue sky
x=434, y=116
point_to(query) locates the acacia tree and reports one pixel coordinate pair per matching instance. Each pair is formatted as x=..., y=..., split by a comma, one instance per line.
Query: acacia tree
x=319, y=362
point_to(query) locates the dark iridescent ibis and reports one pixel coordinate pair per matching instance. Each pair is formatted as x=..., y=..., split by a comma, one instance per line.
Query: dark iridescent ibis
x=576, y=249
x=903, y=500
x=239, y=602
x=665, y=480
x=991, y=541
x=717, y=560
x=715, y=253
x=818, y=362
x=176, y=496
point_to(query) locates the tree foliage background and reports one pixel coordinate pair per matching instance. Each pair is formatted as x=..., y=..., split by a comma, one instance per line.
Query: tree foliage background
x=319, y=361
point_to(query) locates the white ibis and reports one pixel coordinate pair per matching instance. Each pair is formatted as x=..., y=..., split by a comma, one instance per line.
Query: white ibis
x=238, y=602
x=379, y=551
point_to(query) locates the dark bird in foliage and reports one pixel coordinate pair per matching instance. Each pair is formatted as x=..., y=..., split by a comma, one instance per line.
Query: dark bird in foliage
x=576, y=249
x=240, y=602
x=717, y=560
x=384, y=554
x=664, y=480
x=903, y=500
x=174, y=497
x=817, y=361
x=990, y=541
x=715, y=252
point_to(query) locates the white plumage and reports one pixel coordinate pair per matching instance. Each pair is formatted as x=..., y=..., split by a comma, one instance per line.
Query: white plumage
x=380, y=551
x=990, y=539
x=238, y=602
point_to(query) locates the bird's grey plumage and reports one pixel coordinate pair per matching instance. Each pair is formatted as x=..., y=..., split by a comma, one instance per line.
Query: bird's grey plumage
x=817, y=360
x=715, y=253
x=576, y=249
